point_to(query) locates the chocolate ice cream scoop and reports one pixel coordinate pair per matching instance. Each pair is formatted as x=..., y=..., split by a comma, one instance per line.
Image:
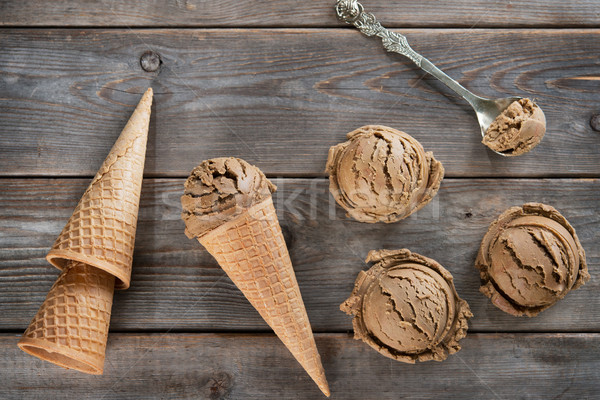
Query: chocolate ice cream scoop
x=382, y=175
x=529, y=259
x=219, y=190
x=406, y=307
x=517, y=130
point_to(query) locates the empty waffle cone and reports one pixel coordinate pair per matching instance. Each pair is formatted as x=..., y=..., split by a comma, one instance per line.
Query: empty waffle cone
x=71, y=327
x=101, y=230
x=252, y=251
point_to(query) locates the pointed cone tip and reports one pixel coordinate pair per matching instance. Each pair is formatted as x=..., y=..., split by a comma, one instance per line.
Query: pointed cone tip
x=146, y=101
x=148, y=94
x=321, y=382
x=140, y=118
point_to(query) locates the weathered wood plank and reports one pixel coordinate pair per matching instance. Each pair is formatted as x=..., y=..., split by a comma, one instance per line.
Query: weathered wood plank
x=281, y=98
x=316, y=13
x=208, y=366
x=177, y=285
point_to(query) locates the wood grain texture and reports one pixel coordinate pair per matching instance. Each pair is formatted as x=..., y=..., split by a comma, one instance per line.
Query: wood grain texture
x=208, y=366
x=289, y=13
x=177, y=285
x=281, y=98
x=279, y=93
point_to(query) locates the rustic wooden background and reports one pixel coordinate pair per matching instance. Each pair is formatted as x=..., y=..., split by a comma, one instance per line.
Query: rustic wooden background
x=277, y=83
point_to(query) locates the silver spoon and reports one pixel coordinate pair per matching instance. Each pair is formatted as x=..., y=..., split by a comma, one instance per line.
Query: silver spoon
x=352, y=12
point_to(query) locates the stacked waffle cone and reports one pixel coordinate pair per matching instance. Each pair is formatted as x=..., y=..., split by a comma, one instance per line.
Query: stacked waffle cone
x=250, y=247
x=95, y=253
x=71, y=327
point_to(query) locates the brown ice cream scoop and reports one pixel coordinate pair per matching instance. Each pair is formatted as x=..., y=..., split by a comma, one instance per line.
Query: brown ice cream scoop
x=406, y=307
x=517, y=130
x=529, y=259
x=220, y=189
x=382, y=175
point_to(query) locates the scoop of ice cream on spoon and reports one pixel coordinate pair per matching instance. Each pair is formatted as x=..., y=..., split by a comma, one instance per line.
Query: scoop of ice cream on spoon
x=518, y=129
x=510, y=126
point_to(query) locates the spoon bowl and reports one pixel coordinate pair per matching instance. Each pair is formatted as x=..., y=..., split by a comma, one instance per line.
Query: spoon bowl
x=488, y=110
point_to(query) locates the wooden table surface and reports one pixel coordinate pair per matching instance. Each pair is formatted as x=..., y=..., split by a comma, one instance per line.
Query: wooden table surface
x=277, y=83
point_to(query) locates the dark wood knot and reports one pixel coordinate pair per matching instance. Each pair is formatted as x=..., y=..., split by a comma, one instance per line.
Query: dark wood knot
x=220, y=385
x=150, y=61
x=595, y=122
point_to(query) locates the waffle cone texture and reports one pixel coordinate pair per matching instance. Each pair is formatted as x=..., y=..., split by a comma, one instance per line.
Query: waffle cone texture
x=71, y=327
x=252, y=251
x=101, y=230
x=94, y=252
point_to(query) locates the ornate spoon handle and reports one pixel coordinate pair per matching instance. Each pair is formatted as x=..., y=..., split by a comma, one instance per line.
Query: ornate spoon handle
x=352, y=12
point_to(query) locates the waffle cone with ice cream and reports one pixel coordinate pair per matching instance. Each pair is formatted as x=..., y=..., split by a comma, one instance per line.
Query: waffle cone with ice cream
x=95, y=253
x=227, y=206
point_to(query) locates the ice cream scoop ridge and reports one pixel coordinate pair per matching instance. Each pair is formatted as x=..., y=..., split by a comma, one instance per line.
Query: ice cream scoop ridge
x=517, y=130
x=406, y=307
x=529, y=259
x=227, y=206
x=382, y=175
